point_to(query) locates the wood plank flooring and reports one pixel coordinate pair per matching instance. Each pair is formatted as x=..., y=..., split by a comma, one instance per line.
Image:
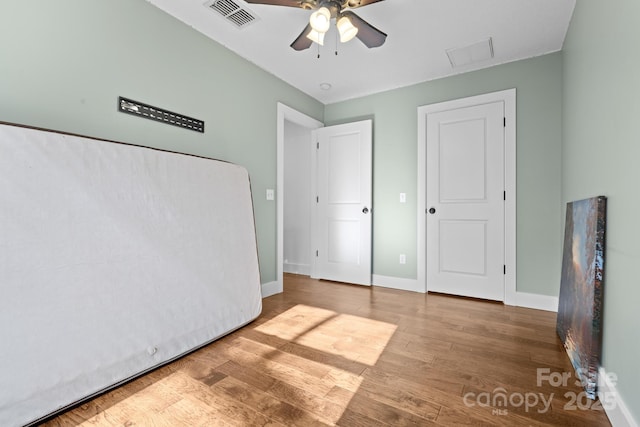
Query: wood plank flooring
x=324, y=353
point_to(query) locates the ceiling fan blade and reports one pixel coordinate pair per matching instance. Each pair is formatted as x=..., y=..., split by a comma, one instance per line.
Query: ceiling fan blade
x=359, y=3
x=289, y=3
x=367, y=33
x=302, y=42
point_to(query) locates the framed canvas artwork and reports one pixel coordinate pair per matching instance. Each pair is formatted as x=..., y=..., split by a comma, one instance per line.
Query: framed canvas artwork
x=579, y=322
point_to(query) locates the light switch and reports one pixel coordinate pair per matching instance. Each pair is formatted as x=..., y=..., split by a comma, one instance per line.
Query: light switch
x=270, y=195
x=403, y=197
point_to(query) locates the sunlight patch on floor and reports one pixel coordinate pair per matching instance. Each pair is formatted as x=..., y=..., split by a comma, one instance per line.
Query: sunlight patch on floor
x=355, y=338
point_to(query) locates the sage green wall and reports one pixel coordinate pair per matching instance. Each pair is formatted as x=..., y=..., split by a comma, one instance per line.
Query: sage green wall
x=64, y=63
x=601, y=150
x=538, y=82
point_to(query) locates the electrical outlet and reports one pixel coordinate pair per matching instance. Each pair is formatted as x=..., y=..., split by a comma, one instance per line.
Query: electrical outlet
x=403, y=259
x=403, y=197
x=270, y=194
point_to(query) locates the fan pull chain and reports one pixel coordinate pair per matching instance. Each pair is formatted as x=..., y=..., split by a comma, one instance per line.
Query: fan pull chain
x=318, y=46
x=336, y=44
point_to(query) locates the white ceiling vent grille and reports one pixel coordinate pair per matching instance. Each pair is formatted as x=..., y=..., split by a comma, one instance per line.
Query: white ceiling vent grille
x=233, y=12
x=471, y=54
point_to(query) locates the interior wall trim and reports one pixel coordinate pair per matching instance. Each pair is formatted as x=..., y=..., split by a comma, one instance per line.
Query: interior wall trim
x=615, y=408
x=271, y=288
x=536, y=301
x=285, y=113
x=296, y=268
x=522, y=299
x=396, y=283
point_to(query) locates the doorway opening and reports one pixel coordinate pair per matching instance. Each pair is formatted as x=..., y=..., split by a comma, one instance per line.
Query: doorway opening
x=293, y=127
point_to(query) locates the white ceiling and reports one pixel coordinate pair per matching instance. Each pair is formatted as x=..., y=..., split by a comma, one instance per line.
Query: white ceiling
x=419, y=33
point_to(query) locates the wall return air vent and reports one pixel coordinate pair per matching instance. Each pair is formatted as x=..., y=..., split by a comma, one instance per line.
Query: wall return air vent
x=241, y=17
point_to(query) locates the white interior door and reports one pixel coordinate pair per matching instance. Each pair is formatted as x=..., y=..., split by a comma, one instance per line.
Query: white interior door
x=465, y=201
x=343, y=209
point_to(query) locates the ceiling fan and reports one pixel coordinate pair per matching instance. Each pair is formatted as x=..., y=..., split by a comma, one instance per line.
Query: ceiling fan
x=348, y=23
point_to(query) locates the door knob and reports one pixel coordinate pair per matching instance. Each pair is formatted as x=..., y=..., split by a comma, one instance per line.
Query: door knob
x=365, y=210
x=432, y=211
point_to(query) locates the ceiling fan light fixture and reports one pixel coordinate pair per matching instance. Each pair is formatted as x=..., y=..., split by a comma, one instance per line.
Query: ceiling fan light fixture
x=316, y=37
x=320, y=20
x=346, y=29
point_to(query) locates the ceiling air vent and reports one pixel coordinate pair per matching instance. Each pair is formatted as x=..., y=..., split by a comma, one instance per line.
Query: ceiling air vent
x=231, y=11
x=475, y=52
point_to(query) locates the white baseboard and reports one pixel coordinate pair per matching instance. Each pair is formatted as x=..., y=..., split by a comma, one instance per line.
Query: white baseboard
x=271, y=288
x=539, y=302
x=396, y=283
x=613, y=405
x=293, y=268
x=522, y=299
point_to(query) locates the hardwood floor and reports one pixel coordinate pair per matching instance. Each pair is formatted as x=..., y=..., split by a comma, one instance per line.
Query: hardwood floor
x=324, y=353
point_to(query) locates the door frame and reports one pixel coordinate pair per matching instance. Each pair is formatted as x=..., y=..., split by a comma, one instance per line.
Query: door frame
x=508, y=97
x=286, y=113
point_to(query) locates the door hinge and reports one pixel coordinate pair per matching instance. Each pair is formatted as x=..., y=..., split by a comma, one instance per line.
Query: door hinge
x=317, y=199
x=316, y=253
x=504, y=269
x=317, y=145
x=504, y=195
x=504, y=122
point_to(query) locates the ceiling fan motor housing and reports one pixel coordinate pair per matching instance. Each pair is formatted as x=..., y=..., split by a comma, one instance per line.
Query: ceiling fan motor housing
x=308, y=4
x=334, y=7
x=352, y=3
x=340, y=4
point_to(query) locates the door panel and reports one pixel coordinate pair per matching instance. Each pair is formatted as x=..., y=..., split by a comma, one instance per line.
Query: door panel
x=343, y=242
x=463, y=247
x=462, y=169
x=343, y=225
x=465, y=187
x=342, y=152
